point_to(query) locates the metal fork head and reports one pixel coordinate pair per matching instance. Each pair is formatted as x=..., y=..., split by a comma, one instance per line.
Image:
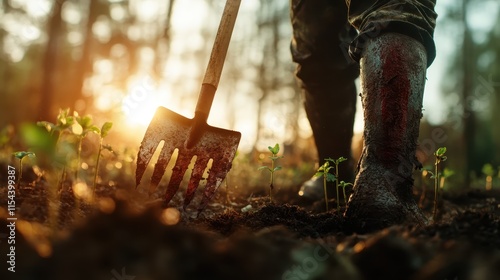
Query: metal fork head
x=217, y=144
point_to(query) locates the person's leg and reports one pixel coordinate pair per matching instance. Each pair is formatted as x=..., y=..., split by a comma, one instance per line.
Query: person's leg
x=394, y=49
x=326, y=75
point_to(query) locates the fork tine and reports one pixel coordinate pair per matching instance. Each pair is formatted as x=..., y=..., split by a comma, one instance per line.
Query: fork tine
x=198, y=170
x=181, y=165
x=220, y=168
x=146, y=151
x=161, y=166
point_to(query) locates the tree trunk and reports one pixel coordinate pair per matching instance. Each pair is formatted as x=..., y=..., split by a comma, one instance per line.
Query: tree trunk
x=45, y=111
x=84, y=66
x=469, y=118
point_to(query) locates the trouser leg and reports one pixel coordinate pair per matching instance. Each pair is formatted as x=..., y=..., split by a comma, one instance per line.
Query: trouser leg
x=326, y=74
x=413, y=18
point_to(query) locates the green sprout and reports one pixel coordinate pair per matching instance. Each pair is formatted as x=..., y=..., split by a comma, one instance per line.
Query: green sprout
x=324, y=171
x=489, y=171
x=440, y=157
x=21, y=155
x=81, y=126
x=274, y=157
x=344, y=185
x=103, y=132
x=64, y=122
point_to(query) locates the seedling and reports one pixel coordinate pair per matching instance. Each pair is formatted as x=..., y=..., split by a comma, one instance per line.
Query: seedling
x=489, y=171
x=440, y=157
x=64, y=121
x=274, y=157
x=21, y=155
x=80, y=127
x=103, y=132
x=324, y=171
x=344, y=185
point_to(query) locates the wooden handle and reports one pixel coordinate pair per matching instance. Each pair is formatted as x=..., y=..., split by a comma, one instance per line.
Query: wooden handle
x=217, y=57
x=221, y=43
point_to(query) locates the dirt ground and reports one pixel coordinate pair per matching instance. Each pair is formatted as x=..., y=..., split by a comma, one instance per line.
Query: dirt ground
x=123, y=237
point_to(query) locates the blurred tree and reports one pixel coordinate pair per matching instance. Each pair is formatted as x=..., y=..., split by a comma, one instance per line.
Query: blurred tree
x=274, y=79
x=469, y=116
x=163, y=41
x=474, y=90
x=45, y=109
x=490, y=85
x=84, y=64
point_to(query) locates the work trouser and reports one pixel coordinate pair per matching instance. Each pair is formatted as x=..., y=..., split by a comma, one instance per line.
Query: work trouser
x=328, y=41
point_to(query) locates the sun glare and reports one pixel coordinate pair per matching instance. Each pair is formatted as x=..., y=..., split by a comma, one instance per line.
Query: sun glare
x=141, y=101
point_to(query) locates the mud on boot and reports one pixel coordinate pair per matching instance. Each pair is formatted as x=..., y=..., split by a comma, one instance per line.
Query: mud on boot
x=393, y=68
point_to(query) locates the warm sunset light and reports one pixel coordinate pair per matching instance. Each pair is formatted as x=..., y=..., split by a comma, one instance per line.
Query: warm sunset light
x=141, y=101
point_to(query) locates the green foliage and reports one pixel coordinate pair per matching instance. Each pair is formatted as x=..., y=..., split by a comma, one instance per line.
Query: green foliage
x=21, y=155
x=66, y=150
x=344, y=185
x=324, y=171
x=274, y=157
x=488, y=170
x=447, y=173
x=41, y=142
x=440, y=157
x=63, y=122
x=106, y=127
x=103, y=132
x=439, y=153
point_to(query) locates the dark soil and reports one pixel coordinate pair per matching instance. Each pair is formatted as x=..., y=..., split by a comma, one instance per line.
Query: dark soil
x=122, y=237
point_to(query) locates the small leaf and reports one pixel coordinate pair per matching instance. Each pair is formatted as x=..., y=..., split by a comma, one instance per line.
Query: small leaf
x=324, y=167
x=319, y=174
x=106, y=127
x=62, y=116
x=330, y=177
x=329, y=160
x=85, y=122
x=47, y=125
x=344, y=184
x=76, y=129
x=95, y=129
x=340, y=159
x=440, y=152
x=22, y=154
x=264, y=167
x=274, y=150
x=277, y=168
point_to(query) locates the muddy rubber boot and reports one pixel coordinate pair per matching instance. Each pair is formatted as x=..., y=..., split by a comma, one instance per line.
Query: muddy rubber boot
x=393, y=68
